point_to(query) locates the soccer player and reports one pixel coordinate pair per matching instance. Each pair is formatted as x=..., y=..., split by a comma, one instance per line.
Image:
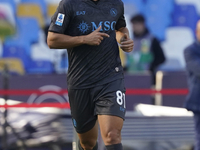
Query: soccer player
x=89, y=30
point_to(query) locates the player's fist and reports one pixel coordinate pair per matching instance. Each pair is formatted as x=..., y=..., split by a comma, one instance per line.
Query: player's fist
x=126, y=43
x=95, y=37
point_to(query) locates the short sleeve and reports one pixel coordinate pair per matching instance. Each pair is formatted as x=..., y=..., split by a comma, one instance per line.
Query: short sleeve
x=121, y=21
x=60, y=20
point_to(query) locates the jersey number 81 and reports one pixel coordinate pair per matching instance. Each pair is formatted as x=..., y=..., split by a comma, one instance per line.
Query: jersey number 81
x=121, y=98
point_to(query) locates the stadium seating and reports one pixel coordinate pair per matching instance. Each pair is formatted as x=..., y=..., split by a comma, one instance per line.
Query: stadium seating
x=40, y=66
x=133, y=6
x=157, y=26
x=60, y=61
x=40, y=50
x=196, y=3
x=28, y=29
x=11, y=3
x=51, y=9
x=31, y=10
x=7, y=20
x=29, y=16
x=158, y=16
x=8, y=13
x=17, y=50
x=185, y=15
x=171, y=64
x=64, y=62
x=159, y=6
x=177, y=39
x=160, y=10
x=5, y=29
x=40, y=3
x=52, y=1
x=15, y=65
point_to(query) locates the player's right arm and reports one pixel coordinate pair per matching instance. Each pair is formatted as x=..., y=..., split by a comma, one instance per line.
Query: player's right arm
x=60, y=21
x=62, y=41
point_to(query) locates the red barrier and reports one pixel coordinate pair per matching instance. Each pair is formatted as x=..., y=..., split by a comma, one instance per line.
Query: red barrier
x=128, y=92
x=25, y=105
x=67, y=106
x=151, y=92
x=29, y=92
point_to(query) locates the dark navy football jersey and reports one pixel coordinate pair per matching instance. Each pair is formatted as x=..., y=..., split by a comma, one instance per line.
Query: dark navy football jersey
x=90, y=66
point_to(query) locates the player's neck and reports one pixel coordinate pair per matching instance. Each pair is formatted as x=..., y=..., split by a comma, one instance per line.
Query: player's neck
x=95, y=1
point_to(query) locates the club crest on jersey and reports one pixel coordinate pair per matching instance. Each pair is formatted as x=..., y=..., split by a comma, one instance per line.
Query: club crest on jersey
x=60, y=19
x=113, y=12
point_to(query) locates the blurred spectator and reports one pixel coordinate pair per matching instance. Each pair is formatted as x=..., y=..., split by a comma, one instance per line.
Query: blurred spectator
x=192, y=58
x=147, y=54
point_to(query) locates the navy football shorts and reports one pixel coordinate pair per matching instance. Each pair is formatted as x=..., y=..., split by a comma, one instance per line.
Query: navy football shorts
x=86, y=104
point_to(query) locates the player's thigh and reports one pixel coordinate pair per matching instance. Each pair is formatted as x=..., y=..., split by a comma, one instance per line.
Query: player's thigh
x=89, y=137
x=110, y=127
x=82, y=110
x=111, y=100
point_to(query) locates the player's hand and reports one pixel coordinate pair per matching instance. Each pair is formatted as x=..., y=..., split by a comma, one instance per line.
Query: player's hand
x=95, y=37
x=126, y=43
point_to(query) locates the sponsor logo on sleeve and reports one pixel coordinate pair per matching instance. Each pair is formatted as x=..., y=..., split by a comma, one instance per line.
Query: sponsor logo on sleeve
x=60, y=19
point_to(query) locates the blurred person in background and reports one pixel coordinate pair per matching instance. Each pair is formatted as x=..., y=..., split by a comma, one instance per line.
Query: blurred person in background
x=192, y=59
x=147, y=54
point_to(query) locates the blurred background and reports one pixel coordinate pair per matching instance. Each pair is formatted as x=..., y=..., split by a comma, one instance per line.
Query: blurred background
x=161, y=30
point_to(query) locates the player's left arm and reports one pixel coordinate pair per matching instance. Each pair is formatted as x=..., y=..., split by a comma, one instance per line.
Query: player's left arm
x=123, y=38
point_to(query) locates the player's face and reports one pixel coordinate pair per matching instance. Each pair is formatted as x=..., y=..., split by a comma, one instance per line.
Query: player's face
x=138, y=28
x=198, y=31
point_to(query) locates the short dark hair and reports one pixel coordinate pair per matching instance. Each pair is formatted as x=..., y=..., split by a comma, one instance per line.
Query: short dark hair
x=138, y=19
